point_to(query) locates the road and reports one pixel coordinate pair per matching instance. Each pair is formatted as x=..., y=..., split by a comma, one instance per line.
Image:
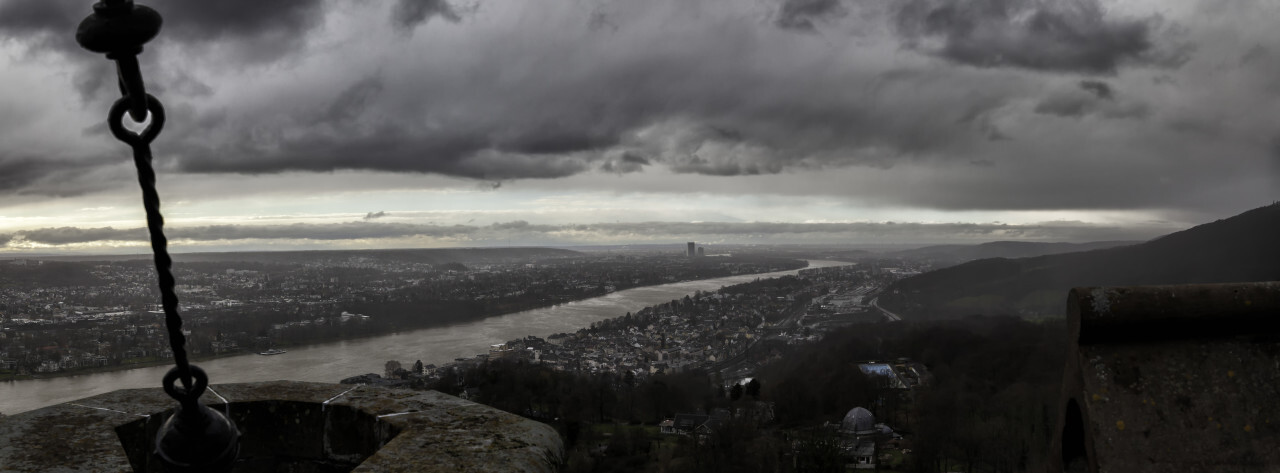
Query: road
x=792, y=319
x=889, y=315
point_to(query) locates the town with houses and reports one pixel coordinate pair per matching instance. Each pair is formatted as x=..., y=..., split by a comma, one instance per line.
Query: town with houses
x=62, y=317
x=727, y=331
x=729, y=334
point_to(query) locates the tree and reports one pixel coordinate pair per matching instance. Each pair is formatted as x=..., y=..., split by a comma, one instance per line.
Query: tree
x=735, y=393
x=453, y=266
x=818, y=451
x=753, y=389
x=417, y=367
x=629, y=380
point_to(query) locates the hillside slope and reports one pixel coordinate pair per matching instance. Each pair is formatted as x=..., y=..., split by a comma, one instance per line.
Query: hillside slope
x=955, y=254
x=1240, y=248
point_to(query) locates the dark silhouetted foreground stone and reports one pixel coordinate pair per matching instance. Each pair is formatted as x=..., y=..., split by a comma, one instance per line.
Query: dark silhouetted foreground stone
x=287, y=426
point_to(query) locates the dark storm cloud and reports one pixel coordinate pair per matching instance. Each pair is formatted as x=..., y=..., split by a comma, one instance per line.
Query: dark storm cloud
x=52, y=23
x=50, y=26
x=627, y=163
x=577, y=107
x=1065, y=35
x=800, y=14
x=19, y=172
x=94, y=79
x=408, y=14
x=54, y=177
x=340, y=231
x=252, y=31
x=43, y=24
x=639, y=231
x=553, y=140
x=353, y=101
x=387, y=147
x=589, y=104
x=695, y=164
x=1098, y=88
x=375, y=215
x=69, y=235
x=247, y=20
x=1090, y=98
x=535, y=92
x=1065, y=105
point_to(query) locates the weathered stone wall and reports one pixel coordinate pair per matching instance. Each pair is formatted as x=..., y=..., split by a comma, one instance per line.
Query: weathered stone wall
x=1171, y=378
x=287, y=426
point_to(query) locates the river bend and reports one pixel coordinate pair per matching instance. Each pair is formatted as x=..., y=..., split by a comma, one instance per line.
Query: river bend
x=331, y=361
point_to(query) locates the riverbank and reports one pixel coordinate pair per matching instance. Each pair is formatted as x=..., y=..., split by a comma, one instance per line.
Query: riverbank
x=408, y=324
x=154, y=361
x=330, y=362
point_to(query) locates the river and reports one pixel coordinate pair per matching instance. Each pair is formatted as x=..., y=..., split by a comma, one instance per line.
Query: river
x=332, y=361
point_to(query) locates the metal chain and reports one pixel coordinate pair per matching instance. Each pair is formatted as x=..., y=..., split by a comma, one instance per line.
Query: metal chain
x=141, y=144
x=195, y=437
x=118, y=28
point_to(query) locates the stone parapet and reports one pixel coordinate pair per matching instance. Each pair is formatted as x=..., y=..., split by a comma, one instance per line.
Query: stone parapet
x=1171, y=378
x=287, y=426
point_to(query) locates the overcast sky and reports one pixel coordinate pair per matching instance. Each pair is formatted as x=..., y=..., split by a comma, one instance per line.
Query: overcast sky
x=412, y=123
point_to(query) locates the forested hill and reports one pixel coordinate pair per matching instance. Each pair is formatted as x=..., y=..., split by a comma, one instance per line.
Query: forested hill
x=1240, y=248
x=955, y=254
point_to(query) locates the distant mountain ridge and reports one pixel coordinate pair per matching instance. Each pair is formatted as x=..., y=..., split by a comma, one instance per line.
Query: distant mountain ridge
x=1237, y=249
x=1002, y=249
x=416, y=255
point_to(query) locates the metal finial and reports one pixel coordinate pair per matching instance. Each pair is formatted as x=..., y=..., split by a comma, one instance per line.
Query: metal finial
x=119, y=29
x=195, y=438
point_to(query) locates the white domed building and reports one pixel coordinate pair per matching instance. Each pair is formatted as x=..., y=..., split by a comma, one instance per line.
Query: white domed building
x=859, y=421
x=860, y=430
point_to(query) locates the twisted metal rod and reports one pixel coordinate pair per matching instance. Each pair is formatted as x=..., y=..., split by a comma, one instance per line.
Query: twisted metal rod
x=141, y=144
